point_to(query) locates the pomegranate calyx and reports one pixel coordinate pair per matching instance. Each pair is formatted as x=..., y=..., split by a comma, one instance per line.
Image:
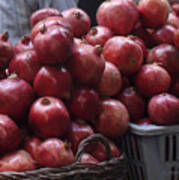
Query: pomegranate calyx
x=25, y=39
x=45, y=101
x=5, y=36
x=93, y=31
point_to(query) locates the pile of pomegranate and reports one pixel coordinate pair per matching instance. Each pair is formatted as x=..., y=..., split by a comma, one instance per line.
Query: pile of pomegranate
x=68, y=80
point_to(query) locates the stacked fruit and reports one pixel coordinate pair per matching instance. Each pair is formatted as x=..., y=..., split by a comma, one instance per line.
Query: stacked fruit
x=66, y=81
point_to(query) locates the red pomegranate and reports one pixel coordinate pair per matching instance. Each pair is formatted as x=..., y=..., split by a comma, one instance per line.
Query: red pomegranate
x=175, y=8
x=49, y=117
x=98, y=35
x=43, y=14
x=173, y=20
x=154, y=13
x=134, y=103
x=88, y=159
x=124, y=53
x=25, y=65
x=144, y=122
x=152, y=79
x=119, y=16
x=113, y=118
x=163, y=109
x=175, y=88
x=16, y=96
x=79, y=21
x=53, y=81
x=176, y=38
x=54, y=153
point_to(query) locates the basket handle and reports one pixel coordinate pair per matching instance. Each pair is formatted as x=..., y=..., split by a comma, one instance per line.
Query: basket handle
x=95, y=137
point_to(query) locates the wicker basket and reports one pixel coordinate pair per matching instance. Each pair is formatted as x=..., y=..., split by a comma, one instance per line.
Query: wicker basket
x=113, y=169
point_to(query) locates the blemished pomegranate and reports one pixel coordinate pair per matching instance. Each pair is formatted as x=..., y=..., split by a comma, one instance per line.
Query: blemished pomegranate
x=124, y=53
x=163, y=109
x=54, y=153
x=176, y=38
x=144, y=122
x=98, y=35
x=49, y=117
x=25, y=65
x=84, y=104
x=154, y=13
x=173, y=20
x=113, y=118
x=175, y=8
x=43, y=14
x=79, y=21
x=18, y=161
x=53, y=44
x=119, y=16
x=24, y=44
x=16, y=97
x=134, y=103
x=175, y=88
x=88, y=159
x=53, y=81
x=152, y=80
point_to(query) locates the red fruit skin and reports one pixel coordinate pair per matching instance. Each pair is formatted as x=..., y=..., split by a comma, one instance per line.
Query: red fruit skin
x=43, y=14
x=119, y=16
x=173, y=20
x=52, y=81
x=166, y=56
x=111, y=81
x=175, y=8
x=49, y=117
x=134, y=103
x=88, y=159
x=98, y=35
x=152, y=80
x=175, y=88
x=176, y=38
x=10, y=136
x=25, y=65
x=124, y=53
x=18, y=161
x=79, y=21
x=163, y=109
x=24, y=44
x=84, y=104
x=16, y=96
x=53, y=153
x=53, y=45
x=113, y=118
x=144, y=122
x=154, y=13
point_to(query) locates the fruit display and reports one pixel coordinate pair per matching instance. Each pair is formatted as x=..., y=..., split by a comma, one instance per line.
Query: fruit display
x=67, y=80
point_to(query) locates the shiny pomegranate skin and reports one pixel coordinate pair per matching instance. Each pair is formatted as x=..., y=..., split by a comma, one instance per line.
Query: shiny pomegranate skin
x=175, y=8
x=53, y=44
x=43, y=14
x=84, y=104
x=173, y=20
x=176, y=38
x=16, y=96
x=53, y=81
x=144, y=122
x=98, y=35
x=113, y=118
x=25, y=65
x=175, y=88
x=152, y=80
x=49, y=117
x=154, y=13
x=119, y=16
x=124, y=53
x=54, y=153
x=134, y=103
x=88, y=159
x=79, y=21
x=163, y=109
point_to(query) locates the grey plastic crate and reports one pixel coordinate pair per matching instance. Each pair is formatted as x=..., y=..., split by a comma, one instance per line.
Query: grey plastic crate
x=153, y=152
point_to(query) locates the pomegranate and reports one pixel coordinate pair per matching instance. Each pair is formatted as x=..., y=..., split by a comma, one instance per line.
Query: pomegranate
x=6, y=51
x=88, y=159
x=43, y=14
x=175, y=88
x=79, y=21
x=18, y=161
x=134, y=103
x=98, y=35
x=54, y=153
x=53, y=44
x=119, y=16
x=49, y=117
x=173, y=20
x=152, y=79
x=84, y=104
x=16, y=96
x=26, y=65
x=111, y=81
x=144, y=122
x=176, y=38
x=124, y=53
x=154, y=13
x=113, y=118
x=163, y=109
x=175, y=8
x=52, y=81
x=24, y=44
